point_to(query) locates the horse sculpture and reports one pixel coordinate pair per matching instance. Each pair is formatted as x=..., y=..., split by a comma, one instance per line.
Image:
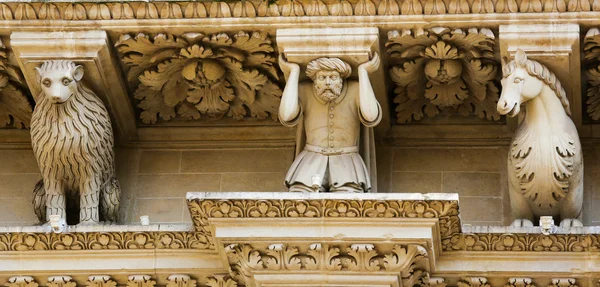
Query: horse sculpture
x=72, y=140
x=545, y=163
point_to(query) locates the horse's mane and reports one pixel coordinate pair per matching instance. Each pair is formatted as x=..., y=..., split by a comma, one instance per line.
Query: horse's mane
x=541, y=72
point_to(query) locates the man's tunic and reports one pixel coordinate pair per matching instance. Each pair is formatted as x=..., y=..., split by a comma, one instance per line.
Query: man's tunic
x=332, y=135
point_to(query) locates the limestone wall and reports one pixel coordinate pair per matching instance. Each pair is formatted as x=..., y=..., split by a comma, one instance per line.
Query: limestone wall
x=154, y=182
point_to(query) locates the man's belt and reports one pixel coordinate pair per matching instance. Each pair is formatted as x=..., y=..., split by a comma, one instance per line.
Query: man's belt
x=331, y=151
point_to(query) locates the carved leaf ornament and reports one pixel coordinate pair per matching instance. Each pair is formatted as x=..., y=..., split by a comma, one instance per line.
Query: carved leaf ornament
x=443, y=68
x=15, y=108
x=195, y=75
x=591, y=49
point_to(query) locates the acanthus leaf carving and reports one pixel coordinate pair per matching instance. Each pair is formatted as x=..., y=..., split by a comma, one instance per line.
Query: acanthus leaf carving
x=140, y=281
x=195, y=75
x=563, y=282
x=21, y=281
x=100, y=281
x=219, y=280
x=443, y=68
x=61, y=281
x=15, y=106
x=519, y=282
x=473, y=282
x=180, y=280
x=591, y=48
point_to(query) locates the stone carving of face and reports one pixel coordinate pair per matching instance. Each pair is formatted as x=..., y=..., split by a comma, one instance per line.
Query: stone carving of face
x=328, y=85
x=60, y=84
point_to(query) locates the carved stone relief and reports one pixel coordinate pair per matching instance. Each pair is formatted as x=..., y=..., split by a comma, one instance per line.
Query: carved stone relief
x=545, y=163
x=591, y=49
x=411, y=261
x=286, y=8
x=21, y=281
x=100, y=281
x=15, y=107
x=140, y=281
x=180, y=280
x=73, y=141
x=61, y=281
x=194, y=75
x=443, y=68
x=220, y=280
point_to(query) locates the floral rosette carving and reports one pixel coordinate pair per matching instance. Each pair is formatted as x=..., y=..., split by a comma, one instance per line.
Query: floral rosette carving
x=15, y=107
x=195, y=75
x=443, y=68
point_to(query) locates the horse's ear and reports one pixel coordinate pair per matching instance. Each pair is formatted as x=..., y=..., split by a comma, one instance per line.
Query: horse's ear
x=38, y=74
x=78, y=73
x=521, y=57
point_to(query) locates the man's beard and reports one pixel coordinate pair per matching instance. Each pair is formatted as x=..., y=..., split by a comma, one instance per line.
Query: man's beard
x=327, y=94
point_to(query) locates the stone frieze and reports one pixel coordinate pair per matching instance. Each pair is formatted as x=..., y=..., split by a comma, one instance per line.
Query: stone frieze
x=193, y=75
x=280, y=8
x=15, y=105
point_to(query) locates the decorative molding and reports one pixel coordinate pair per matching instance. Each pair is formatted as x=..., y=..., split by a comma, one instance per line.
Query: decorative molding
x=524, y=242
x=445, y=211
x=411, y=261
x=61, y=281
x=282, y=8
x=220, y=281
x=437, y=282
x=102, y=240
x=15, y=106
x=473, y=282
x=100, y=281
x=443, y=68
x=180, y=280
x=563, y=282
x=591, y=60
x=21, y=281
x=140, y=281
x=193, y=75
x=519, y=282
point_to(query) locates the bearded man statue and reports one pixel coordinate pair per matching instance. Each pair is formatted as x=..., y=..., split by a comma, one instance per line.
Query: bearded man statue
x=330, y=110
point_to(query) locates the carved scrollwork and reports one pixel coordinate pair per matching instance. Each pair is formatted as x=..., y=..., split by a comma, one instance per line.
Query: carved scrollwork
x=61, y=281
x=21, y=281
x=473, y=282
x=563, y=282
x=410, y=260
x=100, y=281
x=519, y=282
x=194, y=75
x=218, y=280
x=103, y=240
x=443, y=68
x=140, y=281
x=524, y=242
x=15, y=107
x=445, y=211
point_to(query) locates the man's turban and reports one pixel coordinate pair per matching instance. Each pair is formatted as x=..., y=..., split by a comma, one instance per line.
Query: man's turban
x=328, y=64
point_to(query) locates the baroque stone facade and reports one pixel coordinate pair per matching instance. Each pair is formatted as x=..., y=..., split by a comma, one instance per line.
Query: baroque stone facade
x=193, y=91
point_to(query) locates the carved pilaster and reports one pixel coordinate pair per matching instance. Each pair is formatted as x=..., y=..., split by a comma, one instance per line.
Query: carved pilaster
x=61, y=281
x=21, y=281
x=140, y=281
x=180, y=280
x=100, y=281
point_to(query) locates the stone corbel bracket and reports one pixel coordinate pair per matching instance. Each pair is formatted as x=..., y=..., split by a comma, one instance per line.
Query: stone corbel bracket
x=353, y=45
x=90, y=49
x=275, y=238
x=554, y=45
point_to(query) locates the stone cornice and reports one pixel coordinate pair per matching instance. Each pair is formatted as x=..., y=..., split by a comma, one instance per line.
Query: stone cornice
x=287, y=8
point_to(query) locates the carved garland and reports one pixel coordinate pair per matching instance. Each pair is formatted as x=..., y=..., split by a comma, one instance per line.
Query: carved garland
x=15, y=107
x=194, y=75
x=410, y=260
x=286, y=8
x=445, y=211
x=103, y=240
x=443, y=68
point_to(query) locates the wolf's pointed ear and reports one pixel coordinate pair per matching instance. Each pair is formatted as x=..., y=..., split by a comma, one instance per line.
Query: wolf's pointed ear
x=38, y=74
x=78, y=73
x=521, y=58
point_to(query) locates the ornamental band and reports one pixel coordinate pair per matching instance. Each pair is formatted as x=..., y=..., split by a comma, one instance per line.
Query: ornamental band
x=331, y=109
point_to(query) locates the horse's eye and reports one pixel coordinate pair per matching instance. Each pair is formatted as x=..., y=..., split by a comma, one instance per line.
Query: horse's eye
x=518, y=80
x=47, y=83
x=66, y=81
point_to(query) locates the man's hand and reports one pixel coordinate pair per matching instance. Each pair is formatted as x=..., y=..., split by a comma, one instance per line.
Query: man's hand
x=287, y=67
x=370, y=66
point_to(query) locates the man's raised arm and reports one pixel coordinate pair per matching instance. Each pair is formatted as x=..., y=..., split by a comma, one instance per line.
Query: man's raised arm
x=370, y=110
x=289, y=108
